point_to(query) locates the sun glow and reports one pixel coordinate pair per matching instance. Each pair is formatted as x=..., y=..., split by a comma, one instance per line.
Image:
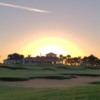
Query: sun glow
x=51, y=44
x=52, y=48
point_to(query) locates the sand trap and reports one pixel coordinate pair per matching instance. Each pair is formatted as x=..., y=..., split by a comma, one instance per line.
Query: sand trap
x=47, y=83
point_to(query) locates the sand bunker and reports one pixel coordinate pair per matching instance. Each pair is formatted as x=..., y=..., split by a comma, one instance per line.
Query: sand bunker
x=48, y=83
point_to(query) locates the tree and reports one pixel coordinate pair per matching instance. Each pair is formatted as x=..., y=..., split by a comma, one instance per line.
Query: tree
x=75, y=60
x=29, y=56
x=85, y=59
x=68, y=59
x=68, y=56
x=97, y=62
x=92, y=59
x=61, y=58
x=15, y=56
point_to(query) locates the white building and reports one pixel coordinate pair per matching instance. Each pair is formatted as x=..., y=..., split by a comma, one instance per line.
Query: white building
x=10, y=61
x=50, y=58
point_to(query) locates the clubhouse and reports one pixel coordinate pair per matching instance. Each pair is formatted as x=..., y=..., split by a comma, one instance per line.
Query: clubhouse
x=50, y=58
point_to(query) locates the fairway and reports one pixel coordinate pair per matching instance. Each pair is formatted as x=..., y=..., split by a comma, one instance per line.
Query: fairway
x=47, y=76
x=48, y=82
x=74, y=93
x=56, y=71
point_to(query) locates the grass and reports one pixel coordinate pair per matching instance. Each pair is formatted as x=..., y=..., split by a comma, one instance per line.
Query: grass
x=22, y=73
x=74, y=93
x=26, y=72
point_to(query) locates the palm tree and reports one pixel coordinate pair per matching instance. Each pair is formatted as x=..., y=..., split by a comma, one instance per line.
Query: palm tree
x=61, y=58
x=76, y=60
x=68, y=59
x=68, y=56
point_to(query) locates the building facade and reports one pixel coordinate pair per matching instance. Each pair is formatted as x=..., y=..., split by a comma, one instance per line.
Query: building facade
x=50, y=58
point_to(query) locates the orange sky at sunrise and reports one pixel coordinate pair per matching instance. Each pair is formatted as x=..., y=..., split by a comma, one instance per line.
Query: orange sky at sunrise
x=41, y=26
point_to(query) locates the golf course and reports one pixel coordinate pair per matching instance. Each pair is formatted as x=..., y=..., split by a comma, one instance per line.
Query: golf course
x=49, y=82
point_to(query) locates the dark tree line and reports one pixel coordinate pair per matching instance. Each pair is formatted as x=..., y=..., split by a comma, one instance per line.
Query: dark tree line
x=91, y=60
x=86, y=60
x=15, y=56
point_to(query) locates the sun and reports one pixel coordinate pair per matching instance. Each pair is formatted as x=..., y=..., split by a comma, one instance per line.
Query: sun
x=51, y=44
x=52, y=48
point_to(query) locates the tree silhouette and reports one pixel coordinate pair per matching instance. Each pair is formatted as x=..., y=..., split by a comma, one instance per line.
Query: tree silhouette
x=92, y=59
x=68, y=60
x=76, y=60
x=61, y=58
x=85, y=59
x=15, y=56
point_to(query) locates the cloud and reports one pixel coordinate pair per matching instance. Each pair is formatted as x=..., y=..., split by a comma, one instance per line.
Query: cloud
x=24, y=8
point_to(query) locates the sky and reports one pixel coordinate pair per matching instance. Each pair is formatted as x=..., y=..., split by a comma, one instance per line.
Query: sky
x=41, y=26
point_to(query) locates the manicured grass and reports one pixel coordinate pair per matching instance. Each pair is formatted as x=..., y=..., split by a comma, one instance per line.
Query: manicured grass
x=26, y=72
x=74, y=93
x=22, y=73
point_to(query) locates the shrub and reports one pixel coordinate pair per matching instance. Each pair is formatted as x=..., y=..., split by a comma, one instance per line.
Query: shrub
x=13, y=79
x=96, y=82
